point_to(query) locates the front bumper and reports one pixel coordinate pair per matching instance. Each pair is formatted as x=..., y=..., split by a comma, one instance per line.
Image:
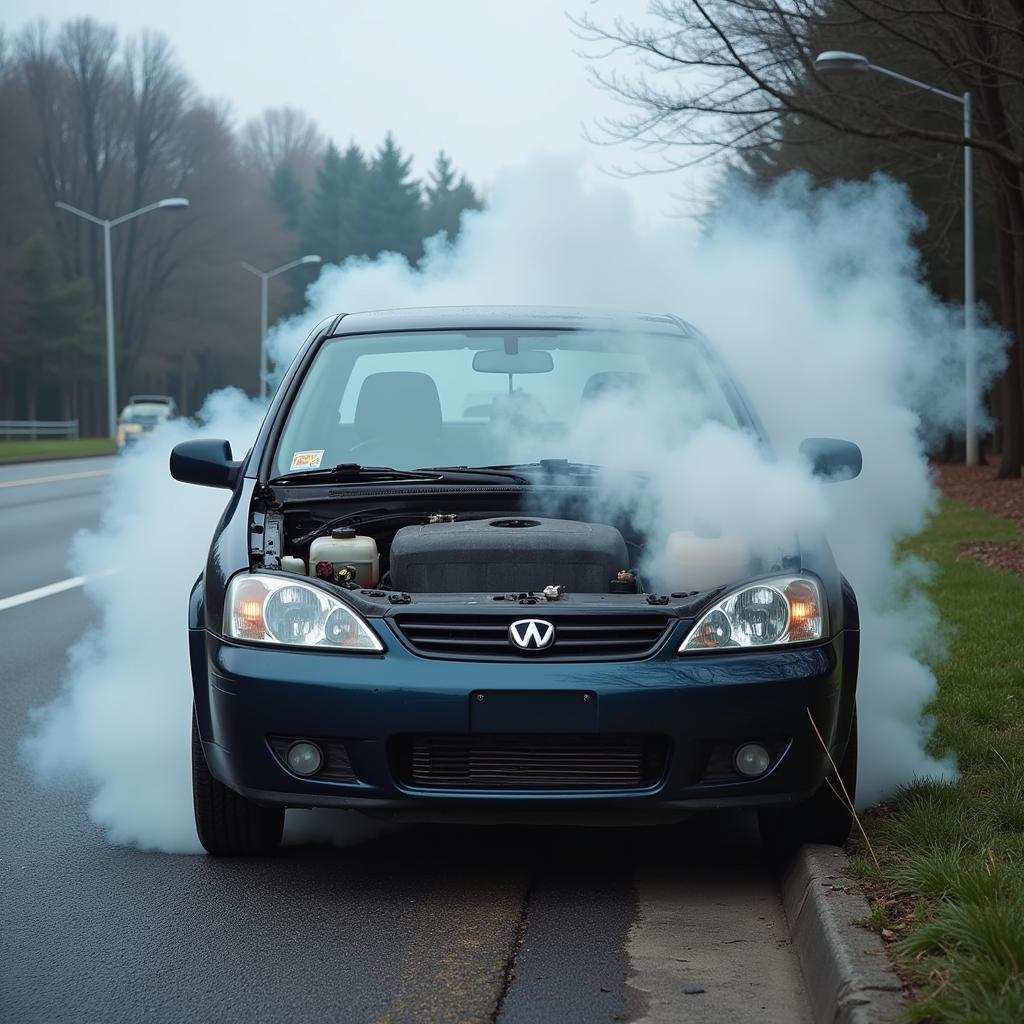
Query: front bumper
x=700, y=704
x=128, y=439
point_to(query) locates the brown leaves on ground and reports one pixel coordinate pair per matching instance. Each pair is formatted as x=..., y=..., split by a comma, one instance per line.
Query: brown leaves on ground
x=1004, y=557
x=977, y=486
x=902, y=910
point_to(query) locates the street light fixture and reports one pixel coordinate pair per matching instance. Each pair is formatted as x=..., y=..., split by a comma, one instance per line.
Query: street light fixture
x=842, y=60
x=173, y=203
x=265, y=276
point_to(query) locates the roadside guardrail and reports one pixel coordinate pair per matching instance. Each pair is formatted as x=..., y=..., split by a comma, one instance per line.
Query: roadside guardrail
x=35, y=429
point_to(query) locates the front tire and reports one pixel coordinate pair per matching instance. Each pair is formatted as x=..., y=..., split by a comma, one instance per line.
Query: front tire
x=229, y=825
x=824, y=818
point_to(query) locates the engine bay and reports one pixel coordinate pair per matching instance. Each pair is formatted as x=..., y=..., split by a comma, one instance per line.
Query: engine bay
x=508, y=554
x=449, y=553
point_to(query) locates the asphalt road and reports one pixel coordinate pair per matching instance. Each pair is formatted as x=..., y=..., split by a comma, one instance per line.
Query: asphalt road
x=417, y=924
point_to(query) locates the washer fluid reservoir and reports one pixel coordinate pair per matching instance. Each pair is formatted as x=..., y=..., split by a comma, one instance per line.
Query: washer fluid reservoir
x=344, y=547
x=700, y=563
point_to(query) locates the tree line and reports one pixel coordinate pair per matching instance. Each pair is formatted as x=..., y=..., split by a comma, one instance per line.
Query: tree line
x=109, y=125
x=735, y=81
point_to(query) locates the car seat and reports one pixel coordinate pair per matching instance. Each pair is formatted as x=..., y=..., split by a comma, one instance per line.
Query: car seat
x=397, y=420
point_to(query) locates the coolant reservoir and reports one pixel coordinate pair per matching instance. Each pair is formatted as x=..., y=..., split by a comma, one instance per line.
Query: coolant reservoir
x=700, y=563
x=345, y=547
x=292, y=564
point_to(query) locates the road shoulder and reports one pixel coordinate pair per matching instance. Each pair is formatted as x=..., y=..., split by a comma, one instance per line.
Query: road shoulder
x=847, y=973
x=711, y=944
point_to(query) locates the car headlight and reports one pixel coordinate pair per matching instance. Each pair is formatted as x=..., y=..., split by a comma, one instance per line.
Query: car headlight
x=273, y=610
x=766, y=613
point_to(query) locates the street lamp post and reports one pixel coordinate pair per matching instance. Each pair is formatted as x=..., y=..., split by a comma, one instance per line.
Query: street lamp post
x=841, y=60
x=265, y=276
x=173, y=203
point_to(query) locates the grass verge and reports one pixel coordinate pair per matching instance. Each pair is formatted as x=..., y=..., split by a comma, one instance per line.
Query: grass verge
x=54, y=448
x=949, y=893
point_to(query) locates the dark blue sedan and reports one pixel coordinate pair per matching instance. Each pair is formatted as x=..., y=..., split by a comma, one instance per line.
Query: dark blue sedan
x=417, y=604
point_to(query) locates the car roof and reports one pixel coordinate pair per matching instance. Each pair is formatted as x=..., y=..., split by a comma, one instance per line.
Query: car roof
x=459, y=318
x=154, y=399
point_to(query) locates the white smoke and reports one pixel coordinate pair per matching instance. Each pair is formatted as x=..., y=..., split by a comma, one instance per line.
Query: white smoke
x=816, y=300
x=121, y=722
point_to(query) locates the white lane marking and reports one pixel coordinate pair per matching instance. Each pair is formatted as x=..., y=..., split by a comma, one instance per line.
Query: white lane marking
x=53, y=479
x=40, y=592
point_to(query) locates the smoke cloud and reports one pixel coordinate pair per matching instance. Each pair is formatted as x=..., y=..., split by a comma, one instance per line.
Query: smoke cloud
x=121, y=723
x=815, y=299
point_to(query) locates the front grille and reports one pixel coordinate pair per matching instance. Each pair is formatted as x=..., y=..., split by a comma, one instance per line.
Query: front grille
x=591, y=637
x=531, y=762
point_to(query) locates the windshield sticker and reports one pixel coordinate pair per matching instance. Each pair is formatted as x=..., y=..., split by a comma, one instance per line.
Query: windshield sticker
x=307, y=460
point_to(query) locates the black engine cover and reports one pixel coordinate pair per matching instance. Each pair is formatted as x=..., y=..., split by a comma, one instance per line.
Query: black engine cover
x=506, y=555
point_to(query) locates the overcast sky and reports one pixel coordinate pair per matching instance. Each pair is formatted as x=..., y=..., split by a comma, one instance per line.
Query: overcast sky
x=490, y=82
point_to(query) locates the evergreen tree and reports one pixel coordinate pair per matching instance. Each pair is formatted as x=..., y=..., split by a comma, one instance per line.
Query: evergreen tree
x=353, y=173
x=465, y=197
x=447, y=198
x=387, y=210
x=327, y=223
x=321, y=232
x=56, y=337
x=327, y=218
x=441, y=180
x=287, y=193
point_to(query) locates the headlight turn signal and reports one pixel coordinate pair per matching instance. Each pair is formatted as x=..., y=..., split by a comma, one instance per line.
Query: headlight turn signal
x=767, y=613
x=277, y=608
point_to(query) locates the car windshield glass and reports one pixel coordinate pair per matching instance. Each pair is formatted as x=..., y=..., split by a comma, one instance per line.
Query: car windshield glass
x=145, y=414
x=477, y=398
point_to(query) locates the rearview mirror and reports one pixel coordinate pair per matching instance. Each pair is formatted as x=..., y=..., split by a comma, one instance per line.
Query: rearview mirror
x=832, y=458
x=206, y=462
x=497, y=360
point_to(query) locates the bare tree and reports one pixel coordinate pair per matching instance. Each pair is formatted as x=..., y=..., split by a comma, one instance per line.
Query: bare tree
x=724, y=77
x=156, y=96
x=201, y=323
x=68, y=81
x=113, y=128
x=108, y=126
x=87, y=54
x=283, y=135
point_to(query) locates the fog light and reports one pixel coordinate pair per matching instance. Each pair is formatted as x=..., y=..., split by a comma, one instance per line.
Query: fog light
x=305, y=758
x=751, y=760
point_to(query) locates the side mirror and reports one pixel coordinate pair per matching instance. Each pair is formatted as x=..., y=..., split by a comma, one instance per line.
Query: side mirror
x=206, y=462
x=831, y=458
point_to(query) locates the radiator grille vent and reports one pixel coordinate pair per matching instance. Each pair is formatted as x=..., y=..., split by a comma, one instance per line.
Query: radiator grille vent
x=533, y=762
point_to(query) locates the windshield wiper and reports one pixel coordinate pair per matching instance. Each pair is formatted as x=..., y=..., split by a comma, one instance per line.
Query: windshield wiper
x=490, y=472
x=347, y=471
x=553, y=467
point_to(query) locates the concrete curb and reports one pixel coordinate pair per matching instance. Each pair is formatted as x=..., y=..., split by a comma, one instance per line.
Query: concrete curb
x=846, y=969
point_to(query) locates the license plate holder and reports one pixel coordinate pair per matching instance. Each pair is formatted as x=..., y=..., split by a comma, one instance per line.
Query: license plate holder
x=525, y=711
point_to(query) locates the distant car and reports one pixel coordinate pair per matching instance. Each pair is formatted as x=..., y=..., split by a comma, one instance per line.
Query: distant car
x=141, y=416
x=395, y=618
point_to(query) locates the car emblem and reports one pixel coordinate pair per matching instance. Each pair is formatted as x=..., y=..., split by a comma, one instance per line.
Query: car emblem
x=531, y=634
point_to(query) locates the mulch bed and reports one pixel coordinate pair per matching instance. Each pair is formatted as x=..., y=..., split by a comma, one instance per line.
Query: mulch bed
x=1004, y=557
x=977, y=486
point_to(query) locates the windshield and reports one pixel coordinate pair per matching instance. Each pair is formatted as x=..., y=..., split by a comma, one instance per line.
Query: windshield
x=145, y=414
x=478, y=398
